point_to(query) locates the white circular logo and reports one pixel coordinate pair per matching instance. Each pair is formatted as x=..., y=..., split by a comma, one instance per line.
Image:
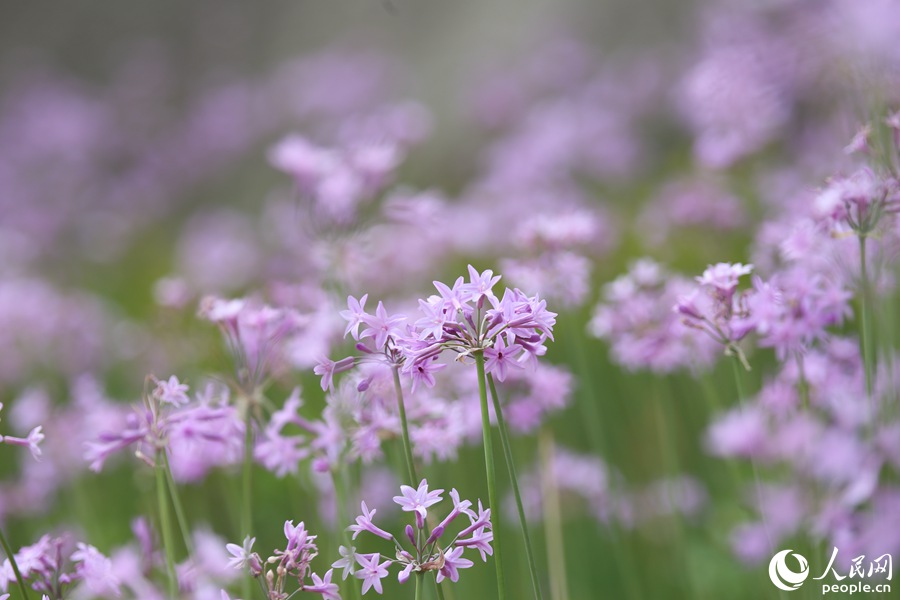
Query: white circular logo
x=782, y=575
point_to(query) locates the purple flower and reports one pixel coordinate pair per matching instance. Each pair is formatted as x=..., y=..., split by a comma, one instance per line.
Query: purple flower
x=371, y=572
x=453, y=561
x=432, y=324
x=381, y=326
x=423, y=372
x=500, y=358
x=428, y=553
x=724, y=277
x=95, y=570
x=480, y=285
x=346, y=562
x=364, y=523
x=327, y=368
x=323, y=585
x=32, y=442
x=355, y=315
x=481, y=540
x=243, y=556
x=419, y=499
x=171, y=391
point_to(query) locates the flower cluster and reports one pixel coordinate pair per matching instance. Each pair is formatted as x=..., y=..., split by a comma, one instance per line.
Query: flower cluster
x=253, y=333
x=45, y=567
x=426, y=552
x=197, y=435
x=466, y=319
x=291, y=562
x=635, y=316
x=716, y=308
x=469, y=318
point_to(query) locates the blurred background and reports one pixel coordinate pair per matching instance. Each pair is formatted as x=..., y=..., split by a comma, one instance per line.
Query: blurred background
x=156, y=153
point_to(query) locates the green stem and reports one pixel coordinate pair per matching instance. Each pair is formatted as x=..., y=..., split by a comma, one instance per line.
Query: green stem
x=511, y=466
x=165, y=523
x=247, y=488
x=736, y=366
x=667, y=428
x=553, y=526
x=589, y=403
x=179, y=508
x=866, y=333
x=439, y=588
x=419, y=586
x=340, y=498
x=407, y=446
x=491, y=476
x=15, y=567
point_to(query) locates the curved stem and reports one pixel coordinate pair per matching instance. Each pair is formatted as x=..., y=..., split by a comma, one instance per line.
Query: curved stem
x=165, y=524
x=407, y=446
x=511, y=466
x=491, y=475
x=15, y=567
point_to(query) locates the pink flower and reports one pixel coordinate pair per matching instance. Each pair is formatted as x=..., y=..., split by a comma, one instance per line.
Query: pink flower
x=172, y=392
x=371, y=572
x=418, y=500
x=382, y=326
x=32, y=442
x=323, y=585
x=95, y=570
x=355, y=315
x=327, y=368
x=500, y=358
x=364, y=523
x=453, y=561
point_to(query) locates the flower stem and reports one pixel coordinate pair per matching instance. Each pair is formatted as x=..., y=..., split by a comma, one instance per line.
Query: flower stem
x=491, y=476
x=419, y=586
x=165, y=523
x=407, y=446
x=511, y=466
x=553, y=527
x=246, y=487
x=439, y=588
x=589, y=401
x=179, y=508
x=866, y=332
x=340, y=498
x=737, y=365
x=15, y=567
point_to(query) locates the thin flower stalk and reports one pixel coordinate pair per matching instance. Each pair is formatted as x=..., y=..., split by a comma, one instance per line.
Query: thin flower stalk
x=165, y=524
x=15, y=567
x=510, y=465
x=866, y=337
x=340, y=496
x=404, y=425
x=489, y=468
x=247, y=486
x=179, y=508
x=553, y=526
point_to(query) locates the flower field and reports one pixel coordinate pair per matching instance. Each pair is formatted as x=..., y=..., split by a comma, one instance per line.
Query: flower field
x=343, y=299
